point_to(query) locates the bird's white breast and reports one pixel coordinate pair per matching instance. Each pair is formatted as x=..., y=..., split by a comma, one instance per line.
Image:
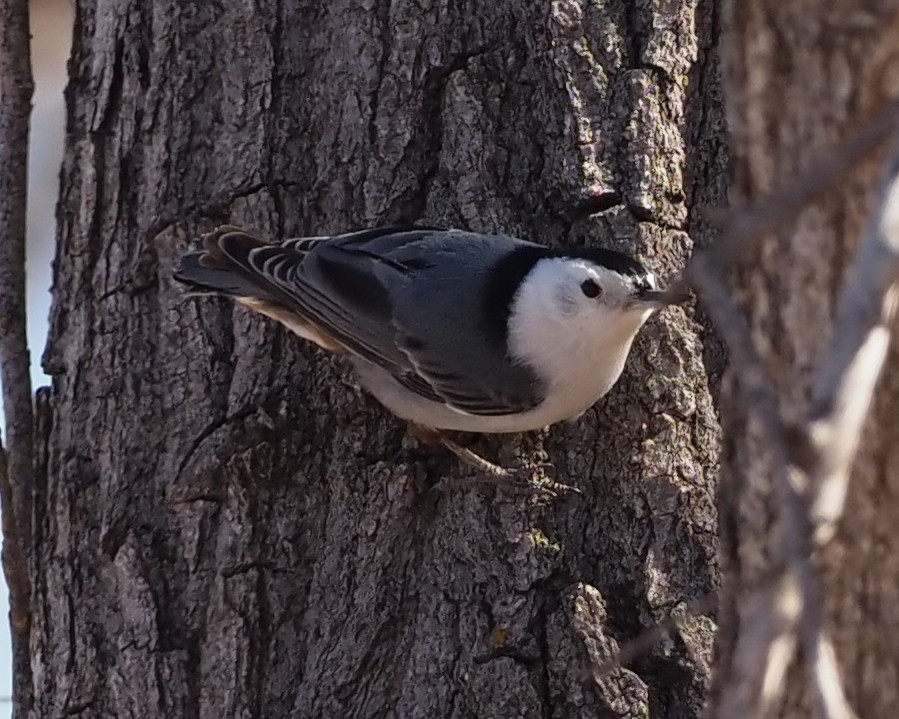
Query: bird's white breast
x=578, y=366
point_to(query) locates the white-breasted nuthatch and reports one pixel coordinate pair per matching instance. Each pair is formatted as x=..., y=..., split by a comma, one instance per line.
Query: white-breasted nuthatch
x=449, y=330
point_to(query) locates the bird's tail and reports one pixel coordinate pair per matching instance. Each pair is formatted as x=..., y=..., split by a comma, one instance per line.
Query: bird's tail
x=223, y=266
x=246, y=268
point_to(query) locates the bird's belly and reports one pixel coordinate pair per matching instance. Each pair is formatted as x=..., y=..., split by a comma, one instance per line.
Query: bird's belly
x=570, y=397
x=410, y=406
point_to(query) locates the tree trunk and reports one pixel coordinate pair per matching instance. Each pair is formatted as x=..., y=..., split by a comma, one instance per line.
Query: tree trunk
x=802, y=77
x=225, y=525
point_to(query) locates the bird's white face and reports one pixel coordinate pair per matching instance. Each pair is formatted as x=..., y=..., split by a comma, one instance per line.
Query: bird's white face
x=577, y=288
x=574, y=322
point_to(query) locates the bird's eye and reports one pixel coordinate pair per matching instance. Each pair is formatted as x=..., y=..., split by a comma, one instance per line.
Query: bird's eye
x=590, y=288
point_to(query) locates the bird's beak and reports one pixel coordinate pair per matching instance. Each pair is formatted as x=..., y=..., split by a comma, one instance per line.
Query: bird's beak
x=661, y=298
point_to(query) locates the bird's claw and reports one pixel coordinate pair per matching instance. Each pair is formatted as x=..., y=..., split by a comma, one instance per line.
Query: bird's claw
x=534, y=479
x=522, y=480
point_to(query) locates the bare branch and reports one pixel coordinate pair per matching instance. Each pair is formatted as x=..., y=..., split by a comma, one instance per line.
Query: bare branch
x=841, y=397
x=813, y=474
x=827, y=677
x=784, y=204
x=844, y=384
x=16, y=467
x=643, y=643
x=722, y=309
x=767, y=639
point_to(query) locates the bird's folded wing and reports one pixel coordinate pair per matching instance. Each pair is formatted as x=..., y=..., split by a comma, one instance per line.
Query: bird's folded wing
x=354, y=287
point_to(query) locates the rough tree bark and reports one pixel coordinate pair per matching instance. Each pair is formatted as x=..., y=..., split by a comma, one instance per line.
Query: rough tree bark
x=800, y=78
x=224, y=524
x=16, y=458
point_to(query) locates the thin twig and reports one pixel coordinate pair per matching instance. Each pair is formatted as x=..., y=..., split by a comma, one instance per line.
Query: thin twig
x=844, y=383
x=643, y=643
x=827, y=678
x=819, y=177
x=743, y=226
x=769, y=627
x=722, y=309
x=16, y=472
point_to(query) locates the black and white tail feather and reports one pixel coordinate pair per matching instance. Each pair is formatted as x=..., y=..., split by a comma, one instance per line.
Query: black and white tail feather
x=225, y=266
x=346, y=297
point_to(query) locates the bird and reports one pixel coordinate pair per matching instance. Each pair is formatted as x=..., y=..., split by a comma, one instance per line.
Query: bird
x=450, y=330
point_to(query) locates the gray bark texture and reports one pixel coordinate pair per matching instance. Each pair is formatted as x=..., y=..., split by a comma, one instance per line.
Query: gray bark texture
x=16, y=460
x=225, y=525
x=800, y=79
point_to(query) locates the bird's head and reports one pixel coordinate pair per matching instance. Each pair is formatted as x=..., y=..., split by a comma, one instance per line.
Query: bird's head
x=591, y=286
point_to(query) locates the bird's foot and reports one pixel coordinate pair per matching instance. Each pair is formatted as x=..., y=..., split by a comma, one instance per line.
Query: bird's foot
x=528, y=478
x=520, y=480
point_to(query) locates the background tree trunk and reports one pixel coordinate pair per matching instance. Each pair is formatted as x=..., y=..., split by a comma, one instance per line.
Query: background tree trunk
x=800, y=79
x=225, y=525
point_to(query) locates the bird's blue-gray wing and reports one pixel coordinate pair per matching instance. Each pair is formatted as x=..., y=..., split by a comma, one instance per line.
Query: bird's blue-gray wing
x=335, y=289
x=440, y=310
x=411, y=303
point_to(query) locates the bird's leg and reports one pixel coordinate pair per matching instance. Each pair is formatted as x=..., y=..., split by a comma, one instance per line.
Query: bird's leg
x=429, y=435
x=473, y=459
x=492, y=474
